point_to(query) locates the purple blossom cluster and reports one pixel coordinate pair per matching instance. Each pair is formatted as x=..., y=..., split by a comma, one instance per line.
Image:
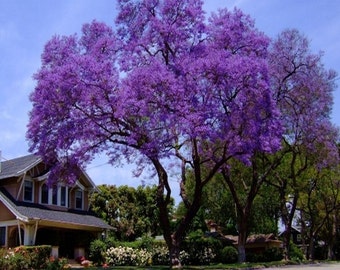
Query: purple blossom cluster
x=163, y=80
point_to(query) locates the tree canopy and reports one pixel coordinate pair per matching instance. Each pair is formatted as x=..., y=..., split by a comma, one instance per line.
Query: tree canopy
x=165, y=87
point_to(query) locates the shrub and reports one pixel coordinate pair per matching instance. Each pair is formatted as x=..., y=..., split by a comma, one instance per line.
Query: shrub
x=160, y=255
x=228, y=254
x=3, y=260
x=97, y=252
x=272, y=254
x=25, y=257
x=201, y=250
x=56, y=264
x=128, y=256
x=146, y=242
x=38, y=255
x=295, y=253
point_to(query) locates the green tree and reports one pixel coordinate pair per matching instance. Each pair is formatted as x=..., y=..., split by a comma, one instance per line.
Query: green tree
x=319, y=202
x=132, y=211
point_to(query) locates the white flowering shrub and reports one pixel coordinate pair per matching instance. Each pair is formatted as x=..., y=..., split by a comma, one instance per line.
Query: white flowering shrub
x=160, y=255
x=184, y=257
x=121, y=256
x=205, y=256
x=128, y=256
x=144, y=257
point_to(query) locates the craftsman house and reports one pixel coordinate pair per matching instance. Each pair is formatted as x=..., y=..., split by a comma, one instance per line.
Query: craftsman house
x=32, y=213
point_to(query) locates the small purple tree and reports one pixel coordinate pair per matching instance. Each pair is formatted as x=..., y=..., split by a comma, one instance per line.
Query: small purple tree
x=167, y=90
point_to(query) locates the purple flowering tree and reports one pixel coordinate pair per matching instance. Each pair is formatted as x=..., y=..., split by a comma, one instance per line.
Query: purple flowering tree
x=167, y=89
x=303, y=90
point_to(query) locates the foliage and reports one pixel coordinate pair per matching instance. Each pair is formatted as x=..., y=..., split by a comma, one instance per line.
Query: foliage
x=132, y=211
x=295, y=253
x=272, y=254
x=228, y=255
x=268, y=255
x=174, y=91
x=160, y=255
x=56, y=264
x=303, y=90
x=25, y=257
x=128, y=256
x=97, y=251
x=201, y=250
x=318, y=204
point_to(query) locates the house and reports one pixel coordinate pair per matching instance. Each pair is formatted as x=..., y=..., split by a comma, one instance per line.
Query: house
x=32, y=213
x=295, y=235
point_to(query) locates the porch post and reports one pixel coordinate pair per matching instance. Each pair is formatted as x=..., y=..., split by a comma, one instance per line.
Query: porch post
x=19, y=232
x=35, y=231
x=29, y=236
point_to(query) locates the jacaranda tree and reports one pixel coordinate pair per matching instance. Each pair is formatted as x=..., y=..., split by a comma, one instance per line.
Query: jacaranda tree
x=302, y=88
x=166, y=89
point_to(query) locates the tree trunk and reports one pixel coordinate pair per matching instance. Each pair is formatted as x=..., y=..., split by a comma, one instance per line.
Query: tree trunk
x=311, y=249
x=174, y=236
x=332, y=237
x=174, y=254
x=242, y=238
x=286, y=242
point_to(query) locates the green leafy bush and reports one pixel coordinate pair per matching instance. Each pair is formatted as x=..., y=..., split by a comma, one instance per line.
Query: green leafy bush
x=272, y=254
x=202, y=250
x=228, y=254
x=295, y=253
x=97, y=251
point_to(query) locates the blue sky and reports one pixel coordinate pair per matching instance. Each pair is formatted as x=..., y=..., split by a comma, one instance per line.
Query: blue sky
x=25, y=26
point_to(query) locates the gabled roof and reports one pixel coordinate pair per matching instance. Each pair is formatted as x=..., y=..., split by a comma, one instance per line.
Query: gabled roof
x=30, y=211
x=17, y=166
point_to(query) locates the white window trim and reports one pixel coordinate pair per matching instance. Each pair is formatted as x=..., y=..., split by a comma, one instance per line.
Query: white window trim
x=50, y=196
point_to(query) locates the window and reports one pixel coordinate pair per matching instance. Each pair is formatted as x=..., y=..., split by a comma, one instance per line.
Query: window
x=55, y=195
x=28, y=191
x=79, y=199
x=63, y=196
x=2, y=236
x=44, y=194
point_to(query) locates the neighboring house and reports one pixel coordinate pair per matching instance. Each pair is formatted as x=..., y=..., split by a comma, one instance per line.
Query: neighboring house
x=31, y=213
x=295, y=235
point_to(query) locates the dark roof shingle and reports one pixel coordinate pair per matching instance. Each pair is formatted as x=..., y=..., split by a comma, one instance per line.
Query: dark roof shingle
x=36, y=211
x=17, y=166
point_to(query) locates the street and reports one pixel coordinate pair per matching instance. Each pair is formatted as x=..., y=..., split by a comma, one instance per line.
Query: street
x=319, y=266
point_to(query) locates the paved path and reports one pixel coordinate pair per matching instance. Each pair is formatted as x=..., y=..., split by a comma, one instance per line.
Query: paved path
x=319, y=266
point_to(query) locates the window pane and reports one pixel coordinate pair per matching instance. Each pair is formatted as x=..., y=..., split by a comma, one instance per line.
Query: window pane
x=44, y=194
x=63, y=196
x=79, y=199
x=2, y=236
x=28, y=191
x=55, y=195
